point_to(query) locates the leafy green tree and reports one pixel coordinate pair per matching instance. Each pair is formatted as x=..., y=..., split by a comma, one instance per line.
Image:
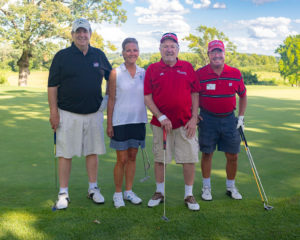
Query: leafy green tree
x=155, y=57
x=198, y=43
x=289, y=63
x=193, y=58
x=30, y=25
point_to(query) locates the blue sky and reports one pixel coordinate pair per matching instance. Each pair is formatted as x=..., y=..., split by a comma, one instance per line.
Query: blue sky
x=255, y=26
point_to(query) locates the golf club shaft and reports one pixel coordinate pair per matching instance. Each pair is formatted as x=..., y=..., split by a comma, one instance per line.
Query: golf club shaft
x=144, y=162
x=258, y=178
x=55, y=161
x=253, y=168
x=164, y=147
x=148, y=162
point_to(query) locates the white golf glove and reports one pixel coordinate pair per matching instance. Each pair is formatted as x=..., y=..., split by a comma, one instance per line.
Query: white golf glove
x=104, y=103
x=240, y=123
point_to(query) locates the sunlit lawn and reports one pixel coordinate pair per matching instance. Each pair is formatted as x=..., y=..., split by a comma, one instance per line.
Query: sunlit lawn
x=27, y=189
x=271, y=76
x=39, y=78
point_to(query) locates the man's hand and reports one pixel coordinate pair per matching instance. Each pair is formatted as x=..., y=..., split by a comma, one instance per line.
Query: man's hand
x=104, y=103
x=54, y=120
x=240, y=123
x=165, y=123
x=190, y=127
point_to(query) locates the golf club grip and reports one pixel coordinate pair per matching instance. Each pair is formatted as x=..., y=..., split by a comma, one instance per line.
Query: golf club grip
x=243, y=136
x=54, y=138
x=164, y=139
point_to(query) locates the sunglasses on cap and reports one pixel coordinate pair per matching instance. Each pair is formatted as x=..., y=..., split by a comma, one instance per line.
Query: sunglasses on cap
x=169, y=35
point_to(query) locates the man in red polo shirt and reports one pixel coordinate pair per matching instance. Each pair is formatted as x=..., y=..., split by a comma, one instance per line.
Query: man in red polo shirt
x=171, y=94
x=219, y=84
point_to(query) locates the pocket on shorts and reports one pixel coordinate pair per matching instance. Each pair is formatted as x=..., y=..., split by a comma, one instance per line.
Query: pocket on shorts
x=61, y=116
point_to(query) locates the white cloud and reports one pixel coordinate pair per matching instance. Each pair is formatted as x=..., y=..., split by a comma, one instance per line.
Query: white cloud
x=202, y=4
x=258, y=46
x=165, y=14
x=261, y=35
x=267, y=27
x=111, y=33
x=219, y=5
x=297, y=20
x=130, y=1
x=161, y=7
x=259, y=2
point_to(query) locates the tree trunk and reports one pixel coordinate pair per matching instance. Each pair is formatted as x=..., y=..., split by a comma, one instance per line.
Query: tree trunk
x=23, y=64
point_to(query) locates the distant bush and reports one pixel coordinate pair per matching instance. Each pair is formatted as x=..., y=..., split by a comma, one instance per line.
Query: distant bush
x=3, y=78
x=268, y=83
x=250, y=78
x=258, y=68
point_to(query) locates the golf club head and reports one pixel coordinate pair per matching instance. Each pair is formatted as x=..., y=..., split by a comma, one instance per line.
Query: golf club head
x=54, y=208
x=165, y=218
x=145, y=179
x=268, y=207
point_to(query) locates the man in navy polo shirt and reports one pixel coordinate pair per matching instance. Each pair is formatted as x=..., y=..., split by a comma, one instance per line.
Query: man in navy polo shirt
x=76, y=106
x=219, y=84
x=171, y=94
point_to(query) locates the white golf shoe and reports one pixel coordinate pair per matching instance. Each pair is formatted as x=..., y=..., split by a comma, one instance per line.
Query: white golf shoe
x=191, y=203
x=132, y=197
x=156, y=199
x=118, y=201
x=206, y=193
x=63, y=201
x=95, y=195
x=234, y=193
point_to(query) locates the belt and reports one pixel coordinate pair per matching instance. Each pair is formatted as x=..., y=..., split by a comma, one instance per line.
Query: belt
x=219, y=115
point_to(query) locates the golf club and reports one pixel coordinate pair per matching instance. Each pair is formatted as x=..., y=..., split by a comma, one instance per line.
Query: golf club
x=255, y=173
x=55, y=161
x=146, y=165
x=55, y=169
x=164, y=147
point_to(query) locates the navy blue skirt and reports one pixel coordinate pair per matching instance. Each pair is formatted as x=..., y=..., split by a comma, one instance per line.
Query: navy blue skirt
x=128, y=136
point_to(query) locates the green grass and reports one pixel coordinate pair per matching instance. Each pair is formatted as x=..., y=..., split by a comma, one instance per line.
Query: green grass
x=270, y=77
x=36, y=79
x=27, y=189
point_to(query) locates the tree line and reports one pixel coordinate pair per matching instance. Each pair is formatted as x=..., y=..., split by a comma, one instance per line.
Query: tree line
x=31, y=32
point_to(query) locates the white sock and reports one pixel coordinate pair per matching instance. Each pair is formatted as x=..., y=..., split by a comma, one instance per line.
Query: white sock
x=206, y=182
x=93, y=185
x=118, y=194
x=64, y=190
x=188, y=190
x=160, y=188
x=230, y=183
x=127, y=192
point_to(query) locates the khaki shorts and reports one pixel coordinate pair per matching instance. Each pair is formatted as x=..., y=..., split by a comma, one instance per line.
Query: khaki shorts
x=79, y=134
x=185, y=149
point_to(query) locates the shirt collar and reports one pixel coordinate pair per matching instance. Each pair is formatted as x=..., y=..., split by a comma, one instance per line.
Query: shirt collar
x=211, y=71
x=76, y=49
x=138, y=69
x=177, y=64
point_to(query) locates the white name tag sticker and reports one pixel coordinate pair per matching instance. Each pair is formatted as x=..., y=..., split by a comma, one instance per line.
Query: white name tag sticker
x=211, y=87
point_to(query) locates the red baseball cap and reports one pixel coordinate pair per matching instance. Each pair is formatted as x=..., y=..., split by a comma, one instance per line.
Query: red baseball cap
x=171, y=36
x=216, y=44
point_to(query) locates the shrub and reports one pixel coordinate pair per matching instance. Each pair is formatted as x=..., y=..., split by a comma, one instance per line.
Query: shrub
x=3, y=78
x=250, y=78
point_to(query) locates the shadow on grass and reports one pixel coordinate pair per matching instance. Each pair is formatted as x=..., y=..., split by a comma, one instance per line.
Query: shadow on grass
x=27, y=182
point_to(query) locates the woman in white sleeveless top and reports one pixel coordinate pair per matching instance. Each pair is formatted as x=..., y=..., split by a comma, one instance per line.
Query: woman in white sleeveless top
x=126, y=119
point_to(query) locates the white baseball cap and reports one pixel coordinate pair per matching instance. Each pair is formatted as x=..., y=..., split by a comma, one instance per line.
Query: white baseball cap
x=81, y=23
